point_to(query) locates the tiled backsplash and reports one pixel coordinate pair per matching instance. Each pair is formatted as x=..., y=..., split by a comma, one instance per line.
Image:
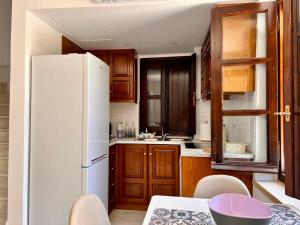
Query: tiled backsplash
x=122, y=112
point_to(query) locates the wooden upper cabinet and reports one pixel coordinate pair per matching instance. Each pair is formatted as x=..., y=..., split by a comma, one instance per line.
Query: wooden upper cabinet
x=132, y=174
x=163, y=170
x=69, y=47
x=122, y=65
x=205, y=69
x=123, y=76
x=122, y=73
x=101, y=54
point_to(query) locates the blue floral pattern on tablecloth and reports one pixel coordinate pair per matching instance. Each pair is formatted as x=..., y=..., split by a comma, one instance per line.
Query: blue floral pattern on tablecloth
x=180, y=217
x=282, y=215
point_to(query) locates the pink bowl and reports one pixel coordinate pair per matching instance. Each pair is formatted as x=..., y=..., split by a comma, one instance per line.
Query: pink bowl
x=231, y=208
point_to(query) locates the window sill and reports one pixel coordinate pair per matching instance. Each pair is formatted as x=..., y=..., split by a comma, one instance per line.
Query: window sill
x=275, y=190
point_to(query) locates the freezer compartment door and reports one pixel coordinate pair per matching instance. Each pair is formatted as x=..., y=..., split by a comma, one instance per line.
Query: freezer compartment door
x=95, y=109
x=95, y=179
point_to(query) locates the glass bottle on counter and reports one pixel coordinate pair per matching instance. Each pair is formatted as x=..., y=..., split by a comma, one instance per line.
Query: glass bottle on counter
x=120, y=130
x=126, y=130
x=132, y=129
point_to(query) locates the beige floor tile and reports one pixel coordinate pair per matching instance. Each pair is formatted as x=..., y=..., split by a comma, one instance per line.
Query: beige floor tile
x=127, y=217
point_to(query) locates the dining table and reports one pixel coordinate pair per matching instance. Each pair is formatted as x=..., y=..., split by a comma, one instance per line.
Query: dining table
x=169, y=210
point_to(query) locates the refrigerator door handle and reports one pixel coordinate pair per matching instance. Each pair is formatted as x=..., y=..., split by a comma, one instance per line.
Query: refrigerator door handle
x=99, y=159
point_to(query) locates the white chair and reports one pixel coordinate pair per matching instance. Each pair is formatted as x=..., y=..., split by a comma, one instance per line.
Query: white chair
x=89, y=210
x=210, y=186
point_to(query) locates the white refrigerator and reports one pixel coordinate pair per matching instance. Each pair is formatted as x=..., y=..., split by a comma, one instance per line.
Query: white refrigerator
x=69, y=134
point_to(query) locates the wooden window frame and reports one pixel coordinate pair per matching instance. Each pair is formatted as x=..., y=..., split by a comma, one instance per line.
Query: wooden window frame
x=163, y=61
x=291, y=97
x=144, y=96
x=217, y=93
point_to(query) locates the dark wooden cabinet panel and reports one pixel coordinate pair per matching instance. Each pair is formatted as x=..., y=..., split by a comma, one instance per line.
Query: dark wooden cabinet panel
x=144, y=171
x=122, y=63
x=132, y=174
x=112, y=179
x=179, y=98
x=101, y=54
x=194, y=169
x=120, y=89
x=205, y=70
x=68, y=47
x=163, y=170
x=123, y=75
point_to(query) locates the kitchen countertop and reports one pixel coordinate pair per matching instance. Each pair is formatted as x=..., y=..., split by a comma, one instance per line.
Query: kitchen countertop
x=184, y=152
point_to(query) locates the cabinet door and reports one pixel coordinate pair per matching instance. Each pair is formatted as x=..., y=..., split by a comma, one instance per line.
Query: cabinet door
x=205, y=70
x=132, y=174
x=122, y=69
x=101, y=54
x=163, y=170
x=112, y=178
x=194, y=169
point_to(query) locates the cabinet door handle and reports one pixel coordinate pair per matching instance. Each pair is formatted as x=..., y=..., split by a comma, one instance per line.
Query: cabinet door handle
x=150, y=154
x=145, y=153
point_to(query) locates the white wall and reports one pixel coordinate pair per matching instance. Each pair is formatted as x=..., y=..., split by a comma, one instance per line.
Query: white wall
x=30, y=36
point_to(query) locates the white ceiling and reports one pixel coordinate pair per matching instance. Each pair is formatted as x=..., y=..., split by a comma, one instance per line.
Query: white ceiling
x=150, y=26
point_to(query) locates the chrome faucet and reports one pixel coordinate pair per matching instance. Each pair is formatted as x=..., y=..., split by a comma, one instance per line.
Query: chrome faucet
x=161, y=127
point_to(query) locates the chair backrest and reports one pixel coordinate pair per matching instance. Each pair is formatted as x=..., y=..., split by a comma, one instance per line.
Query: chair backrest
x=213, y=185
x=89, y=210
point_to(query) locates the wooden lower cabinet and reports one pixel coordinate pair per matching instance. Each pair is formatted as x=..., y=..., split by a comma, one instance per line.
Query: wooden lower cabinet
x=144, y=171
x=195, y=168
x=112, y=179
x=163, y=170
x=132, y=176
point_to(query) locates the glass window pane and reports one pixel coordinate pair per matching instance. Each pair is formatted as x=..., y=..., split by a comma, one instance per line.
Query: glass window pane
x=154, y=111
x=154, y=82
x=245, y=87
x=245, y=137
x=244, y=36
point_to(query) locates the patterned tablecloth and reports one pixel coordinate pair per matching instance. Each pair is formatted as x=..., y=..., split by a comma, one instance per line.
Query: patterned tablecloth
x=282, y=215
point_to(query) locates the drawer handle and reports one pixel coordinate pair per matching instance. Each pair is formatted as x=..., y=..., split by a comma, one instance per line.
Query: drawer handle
x=113, y=184
x=112, y=168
